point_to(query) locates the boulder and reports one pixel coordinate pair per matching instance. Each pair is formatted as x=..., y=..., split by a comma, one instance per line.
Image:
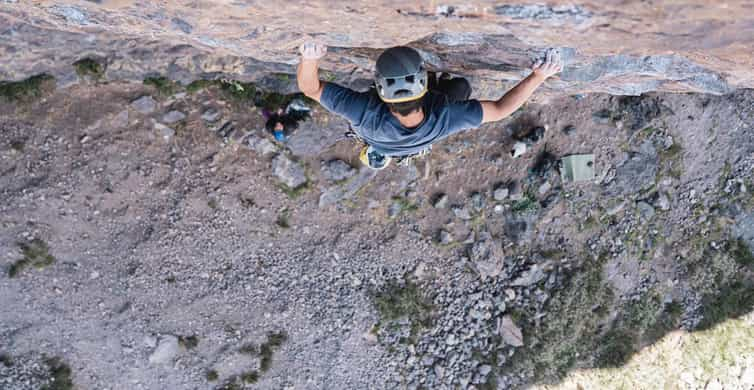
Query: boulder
x=144, y=105
x=289, y=172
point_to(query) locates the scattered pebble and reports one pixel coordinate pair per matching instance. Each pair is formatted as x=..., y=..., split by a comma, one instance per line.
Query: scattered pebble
x=445, y=237
x=211, y=115
x=462, y=213
x=500, y=194
x=173, y=117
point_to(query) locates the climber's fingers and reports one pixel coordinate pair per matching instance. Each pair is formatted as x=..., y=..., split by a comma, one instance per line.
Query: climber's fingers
x=556, y=64
x=550, y=64
x=312, y=50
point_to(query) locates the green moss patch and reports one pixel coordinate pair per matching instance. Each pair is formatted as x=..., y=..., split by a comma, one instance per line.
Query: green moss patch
x=525, y=204
x=239, y=90
x=268, y=348
x=733, y=300
x=404, y=205
x=248, y=349
x=232, y=384
x=88, y=67
x=35, y=254
x=60, y=375
x=243, y=92
x=200, y=85
x=163, y=85
x=250, y=376
x=295, y=193
x=404, y=300
x=283, y=220
x=576, y=315
x=188, y=342
x=614, y=348
x=264, y=351
x=18, y=146
x=649, y=318
x=27, y=90
x=741, y=252
x=401, y=300
x=6, y=360
x=671, y=158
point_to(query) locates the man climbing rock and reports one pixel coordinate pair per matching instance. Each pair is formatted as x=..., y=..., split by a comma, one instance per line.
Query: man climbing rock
x=409, y=109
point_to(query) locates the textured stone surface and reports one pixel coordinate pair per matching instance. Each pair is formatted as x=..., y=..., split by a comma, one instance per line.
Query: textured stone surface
x=166, y=351
x=144, y=104
x=510, y=332
x=194, y=237
x=173, y=116
x=619, y=48
x=289, y=172
x=337, y=170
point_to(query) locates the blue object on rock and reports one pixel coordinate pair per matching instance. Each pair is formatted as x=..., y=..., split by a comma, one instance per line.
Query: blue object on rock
x=279, y=135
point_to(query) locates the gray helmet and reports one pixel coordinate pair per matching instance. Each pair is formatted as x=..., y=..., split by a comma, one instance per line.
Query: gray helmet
x=400, y=75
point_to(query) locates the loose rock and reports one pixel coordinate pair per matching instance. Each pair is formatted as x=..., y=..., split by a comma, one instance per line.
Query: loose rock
x=510, y=332
x=394, y=209
x=165, y=132
x=261, y=145
x=663, y=203
x=518, y=150
x=477, y=201
x=144, y=105
x=211, y=115
x=337, y=170
x=120, y=120
x=533, y=275
x=445, y=237
x=288, y=172
x=166, y=350
x=500, y=194
x=441, y=201
x=646, y=210
x=173, y=117
x=462, y=213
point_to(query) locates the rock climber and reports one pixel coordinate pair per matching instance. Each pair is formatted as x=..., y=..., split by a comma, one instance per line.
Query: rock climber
x=409, y=109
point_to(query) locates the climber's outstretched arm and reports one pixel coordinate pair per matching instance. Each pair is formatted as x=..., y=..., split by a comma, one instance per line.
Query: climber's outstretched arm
x=307, y=74
x=510, y=102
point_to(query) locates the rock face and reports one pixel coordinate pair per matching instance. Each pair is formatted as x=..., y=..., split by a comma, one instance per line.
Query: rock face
x=618, y=48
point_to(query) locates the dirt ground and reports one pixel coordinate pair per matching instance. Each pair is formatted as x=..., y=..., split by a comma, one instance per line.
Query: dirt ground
x=176, y=260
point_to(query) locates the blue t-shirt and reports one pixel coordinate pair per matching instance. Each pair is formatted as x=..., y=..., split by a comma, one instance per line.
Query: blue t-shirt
x=372, y=120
